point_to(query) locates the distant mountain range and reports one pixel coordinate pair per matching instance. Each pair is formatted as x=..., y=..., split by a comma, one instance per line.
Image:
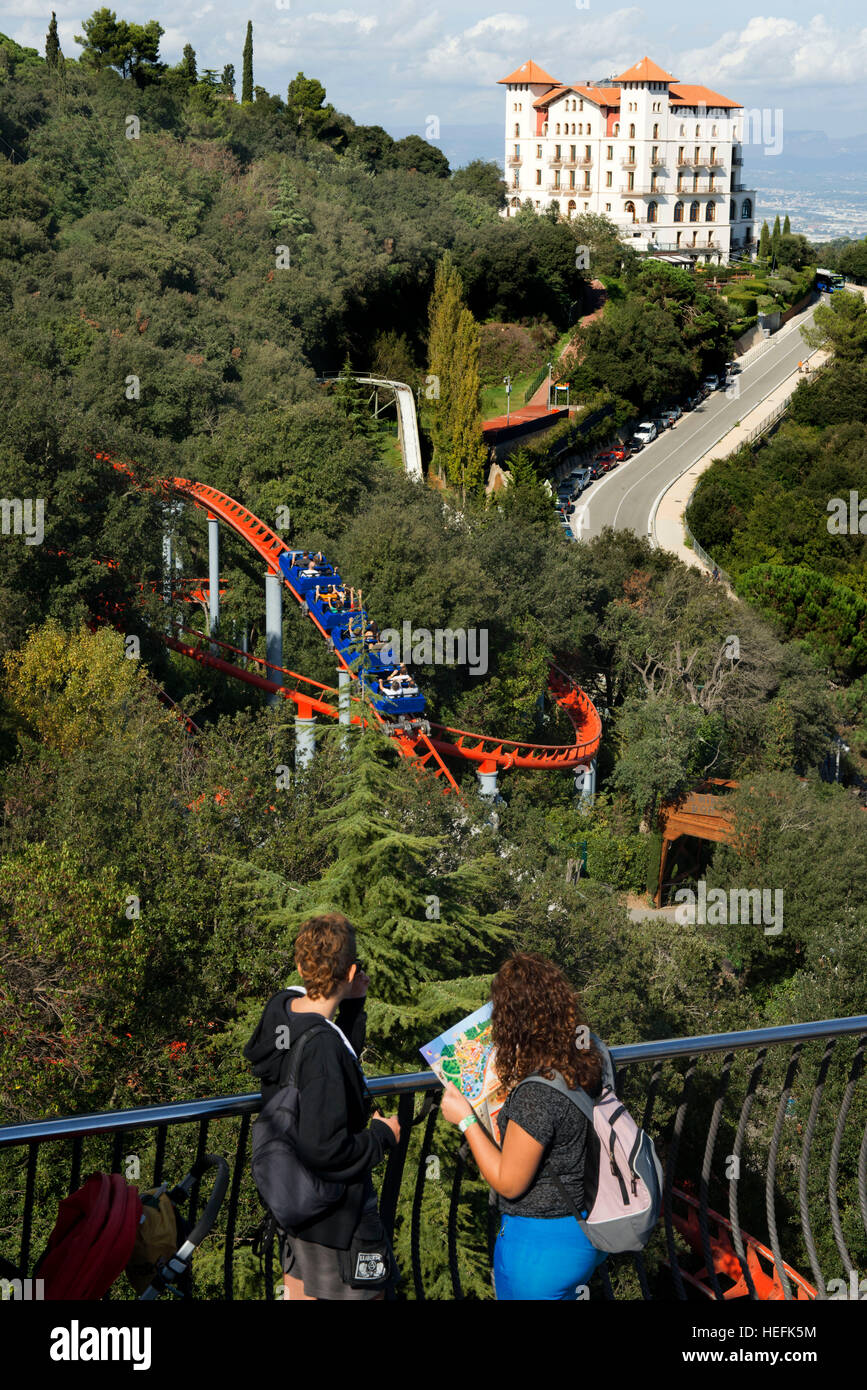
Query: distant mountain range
x=819, y=180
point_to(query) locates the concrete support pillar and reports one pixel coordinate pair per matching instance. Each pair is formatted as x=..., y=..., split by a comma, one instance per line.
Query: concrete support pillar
x=305, y=737
x=213, y=575
x=168, y=568
x=273, y=629
x=487, y=775
x=344, y=680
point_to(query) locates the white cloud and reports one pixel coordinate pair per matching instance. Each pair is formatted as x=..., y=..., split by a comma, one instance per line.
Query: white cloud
x=364, y=23
x=782, y=53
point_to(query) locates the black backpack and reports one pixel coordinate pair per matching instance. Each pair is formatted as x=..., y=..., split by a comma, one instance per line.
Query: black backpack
x=289, y=1189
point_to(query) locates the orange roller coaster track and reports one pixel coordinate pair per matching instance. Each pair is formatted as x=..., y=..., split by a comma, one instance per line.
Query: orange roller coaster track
x=488, y=753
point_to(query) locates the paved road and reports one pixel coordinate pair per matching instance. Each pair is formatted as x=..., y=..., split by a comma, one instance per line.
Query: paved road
x=625, y=498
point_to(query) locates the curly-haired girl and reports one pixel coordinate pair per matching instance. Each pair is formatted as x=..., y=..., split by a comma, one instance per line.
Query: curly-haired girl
x=541, y=1251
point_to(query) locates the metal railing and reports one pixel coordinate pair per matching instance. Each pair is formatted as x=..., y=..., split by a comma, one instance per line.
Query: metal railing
x=768, y=1124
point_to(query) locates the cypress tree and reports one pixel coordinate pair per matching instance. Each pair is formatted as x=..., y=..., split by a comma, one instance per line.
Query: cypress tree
x=247, y=72
x=775, y=235
x=227, y=81
x=468, y=454
x=188, y=63
x=444, y=312
x=52, y=43
x=787, y=226
x=765, y=242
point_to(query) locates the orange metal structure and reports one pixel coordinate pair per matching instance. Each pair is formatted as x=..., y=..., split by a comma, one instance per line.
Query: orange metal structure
x=727, y=1267
x=489, y=753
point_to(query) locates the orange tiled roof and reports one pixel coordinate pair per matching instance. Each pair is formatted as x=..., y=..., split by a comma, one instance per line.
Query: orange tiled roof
x=687, y=94
x=645, y=71
x=602, y=96
x=530, y=72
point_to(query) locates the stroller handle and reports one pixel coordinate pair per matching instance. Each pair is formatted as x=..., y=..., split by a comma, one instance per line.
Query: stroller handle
x=215, y=1201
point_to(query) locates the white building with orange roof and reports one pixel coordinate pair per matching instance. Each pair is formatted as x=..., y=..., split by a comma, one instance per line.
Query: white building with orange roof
x=661, y=159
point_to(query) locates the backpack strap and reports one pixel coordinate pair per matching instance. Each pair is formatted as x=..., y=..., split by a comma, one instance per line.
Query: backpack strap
x=292, y=1060
x=578, y=1098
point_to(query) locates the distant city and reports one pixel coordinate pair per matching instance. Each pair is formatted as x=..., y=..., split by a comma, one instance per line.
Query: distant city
x=820, y=182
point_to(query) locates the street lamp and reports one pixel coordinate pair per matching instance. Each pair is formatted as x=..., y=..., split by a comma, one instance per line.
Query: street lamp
x=550, y=370
x=508, y=384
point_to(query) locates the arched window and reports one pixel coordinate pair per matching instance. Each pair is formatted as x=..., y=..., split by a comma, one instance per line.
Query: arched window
x=746, y=208
x=517, y=128
x=632, y=130
x=580, y=127
x=629, y=209
x=693, y=212
x=571, y=207
x=558, y=127
x=516, y=202
x=656, y=131
x=683, y=130
x=616, y=127
x=713, y=130
x=710, y=212
x=651, y=212
x=697, y=131
x=678, y=212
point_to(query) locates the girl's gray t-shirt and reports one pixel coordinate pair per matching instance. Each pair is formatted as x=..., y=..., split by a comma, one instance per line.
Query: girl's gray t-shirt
x=553, y=1120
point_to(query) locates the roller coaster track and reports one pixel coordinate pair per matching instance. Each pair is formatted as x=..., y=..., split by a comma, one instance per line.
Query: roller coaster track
x=426, y=749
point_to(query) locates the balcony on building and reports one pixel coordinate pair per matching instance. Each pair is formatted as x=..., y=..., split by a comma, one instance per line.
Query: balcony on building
x=514, y=159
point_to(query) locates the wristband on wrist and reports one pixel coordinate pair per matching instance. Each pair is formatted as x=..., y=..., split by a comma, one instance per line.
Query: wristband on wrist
x=464, y=1124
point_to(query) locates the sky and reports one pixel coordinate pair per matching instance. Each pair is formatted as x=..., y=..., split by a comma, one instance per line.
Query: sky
x=397, y=65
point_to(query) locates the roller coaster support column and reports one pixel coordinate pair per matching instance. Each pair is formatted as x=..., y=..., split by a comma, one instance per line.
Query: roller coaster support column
x=213, y=575
x=274, y=628
x=305, y=736
x=585, y=783
x=487, y=775
x=343, y=682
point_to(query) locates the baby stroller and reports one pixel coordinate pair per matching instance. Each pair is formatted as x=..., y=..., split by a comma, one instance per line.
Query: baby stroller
x=107, y=1227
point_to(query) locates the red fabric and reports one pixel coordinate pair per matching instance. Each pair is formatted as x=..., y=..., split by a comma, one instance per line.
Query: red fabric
x=92, y=1240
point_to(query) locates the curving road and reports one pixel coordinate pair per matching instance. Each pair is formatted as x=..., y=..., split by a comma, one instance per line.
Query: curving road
x=625, y=499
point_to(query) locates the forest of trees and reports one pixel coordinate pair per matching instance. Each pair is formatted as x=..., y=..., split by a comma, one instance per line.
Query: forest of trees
x=170, y=290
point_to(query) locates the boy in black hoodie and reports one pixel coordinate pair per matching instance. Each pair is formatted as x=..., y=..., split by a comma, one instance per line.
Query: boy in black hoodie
x=334, y=1138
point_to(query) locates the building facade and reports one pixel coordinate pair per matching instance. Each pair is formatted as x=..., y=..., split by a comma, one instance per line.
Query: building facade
x=661, y=159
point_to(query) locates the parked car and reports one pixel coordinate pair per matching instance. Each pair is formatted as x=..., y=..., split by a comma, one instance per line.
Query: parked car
x=693, y=401
x=646, y=432
x=711, y=382
x=731, y=368
x=671, y=414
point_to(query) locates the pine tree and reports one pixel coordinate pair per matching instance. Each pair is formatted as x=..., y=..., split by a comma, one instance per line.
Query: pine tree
x=350, y=400
x=247, y=73
x=468, y=453
x=52, y=43
x=787, y=226
x=444, y=311
x=765, y=243
x=188, y=63
x=424, y=933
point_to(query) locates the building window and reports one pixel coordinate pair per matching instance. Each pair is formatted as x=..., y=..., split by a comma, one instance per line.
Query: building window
x=651, y=212
x=607, y=207
x=557, y=149
x=581, y=104
x=587, y=152
x=517, y=128
x=654, y=153
x=539, y=178
x=656, y=131
x=588, y=127
x=586, y=178
x=517, y=151
x=632, y=130
x=580, y=127
x=631, y=154
x=680, y=154
x=571, y=178
x=693, y=212
x=609, y=152
x=713, y=130
x=538, y=151
x=556, y=178
x=572, y=149
x=678, y=212
x=630, y=180
x=683, y=130
x=746, y=208
x=616, y=129
x=710, y=212
x=558, y=127
x=629, y=209
x=697, y=131
x=570, y=207
x=608, y=177
x=733, y=212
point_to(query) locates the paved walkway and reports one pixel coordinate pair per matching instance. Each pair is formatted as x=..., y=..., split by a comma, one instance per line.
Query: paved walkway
x=540, y=397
